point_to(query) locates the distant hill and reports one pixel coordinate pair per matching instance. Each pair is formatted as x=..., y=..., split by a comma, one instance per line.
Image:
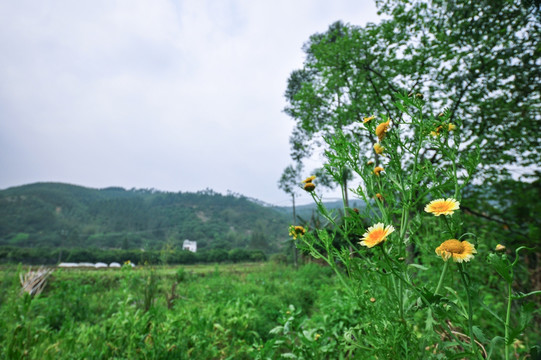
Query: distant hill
x=63, y=215
x=305, y=212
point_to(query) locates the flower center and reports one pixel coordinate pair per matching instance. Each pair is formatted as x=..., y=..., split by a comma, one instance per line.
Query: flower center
x=377, y=234
x=442, y=206
x=453, y=246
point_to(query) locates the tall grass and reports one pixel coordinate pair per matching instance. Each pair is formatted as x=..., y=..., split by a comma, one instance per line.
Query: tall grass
x=223, y=312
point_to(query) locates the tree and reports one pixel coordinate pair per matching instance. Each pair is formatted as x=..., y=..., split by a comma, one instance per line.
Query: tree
x=477, y=59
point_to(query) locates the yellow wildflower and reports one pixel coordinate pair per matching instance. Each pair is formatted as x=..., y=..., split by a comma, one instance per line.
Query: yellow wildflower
x=367, y=119
x=451, y=127
x=309, y=186
x=459, y=250
x=296, y=231
x=500, y=247
x=309, y=179
x=381, y=129
x=442, y=207
x=437, y=132
x=378, y=169
x=376, y=234
x=379, y=196
x=378, y=148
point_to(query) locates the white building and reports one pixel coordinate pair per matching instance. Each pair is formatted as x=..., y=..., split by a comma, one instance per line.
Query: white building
x=189, y=245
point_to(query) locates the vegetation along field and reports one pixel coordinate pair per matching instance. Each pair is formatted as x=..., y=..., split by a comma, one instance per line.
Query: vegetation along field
x=243, y=311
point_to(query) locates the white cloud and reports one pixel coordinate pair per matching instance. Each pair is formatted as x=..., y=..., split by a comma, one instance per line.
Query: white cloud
x=177, y=96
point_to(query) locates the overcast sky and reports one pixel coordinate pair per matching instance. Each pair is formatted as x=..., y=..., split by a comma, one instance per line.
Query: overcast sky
x=173, y=95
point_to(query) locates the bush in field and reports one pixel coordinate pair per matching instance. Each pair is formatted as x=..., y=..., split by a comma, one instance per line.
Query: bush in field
x=218, y=255
x=257, y=255
x=237, y=255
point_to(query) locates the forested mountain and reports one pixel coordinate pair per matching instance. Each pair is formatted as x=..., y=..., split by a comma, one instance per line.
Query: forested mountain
x=69, y=216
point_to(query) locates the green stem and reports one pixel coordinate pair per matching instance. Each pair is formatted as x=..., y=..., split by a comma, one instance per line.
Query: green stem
x=400, y=289
x=507, y=320
x=470, y=308
x=455, y=177
x=440, y=283
x=403, y=227
x=401, y=299
x=420, y=294
x=331, y=263
x=451, y=232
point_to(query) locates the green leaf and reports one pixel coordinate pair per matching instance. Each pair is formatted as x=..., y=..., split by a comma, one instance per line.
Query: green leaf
x=430, y=322
x=276, y=330
x=502, y=266
x=421, y=267
x=521, y=295
x=289, y=356
x=493, y=342
x=496, y=316
x=479, y=334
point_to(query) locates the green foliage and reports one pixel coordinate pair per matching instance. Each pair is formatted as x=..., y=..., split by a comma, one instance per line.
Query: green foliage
x=68, y=216
x=48, y=256
x=123, y=314
x=395, y=265
x=477, y=59
x=457, y=84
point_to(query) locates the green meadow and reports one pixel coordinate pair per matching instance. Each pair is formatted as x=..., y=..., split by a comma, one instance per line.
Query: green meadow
x=229, y=311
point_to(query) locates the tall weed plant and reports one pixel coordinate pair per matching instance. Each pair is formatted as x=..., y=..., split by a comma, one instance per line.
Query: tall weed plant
x=414, y=269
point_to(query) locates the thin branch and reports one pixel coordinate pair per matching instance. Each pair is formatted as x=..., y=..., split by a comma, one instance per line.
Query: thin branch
x=378, y=94
x=478, y=214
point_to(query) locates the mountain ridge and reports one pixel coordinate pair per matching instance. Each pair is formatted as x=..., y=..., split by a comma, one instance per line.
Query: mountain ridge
x=60, y=214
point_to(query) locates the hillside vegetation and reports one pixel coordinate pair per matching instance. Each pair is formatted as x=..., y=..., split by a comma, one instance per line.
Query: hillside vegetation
x=60, y=215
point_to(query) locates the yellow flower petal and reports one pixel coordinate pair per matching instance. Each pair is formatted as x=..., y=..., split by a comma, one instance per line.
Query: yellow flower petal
x=378, y=169
x=381, y=129
x=500, y=247
x=378, y=148
x=367, y=119
x=309, y=179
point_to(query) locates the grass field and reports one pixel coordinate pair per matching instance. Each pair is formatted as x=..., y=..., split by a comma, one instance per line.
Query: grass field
x=229, y=311
x=198, y=312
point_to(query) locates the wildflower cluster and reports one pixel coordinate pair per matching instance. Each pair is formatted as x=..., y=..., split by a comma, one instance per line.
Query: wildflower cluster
x=437, y=132
x=459, y=251
x=407, y=163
